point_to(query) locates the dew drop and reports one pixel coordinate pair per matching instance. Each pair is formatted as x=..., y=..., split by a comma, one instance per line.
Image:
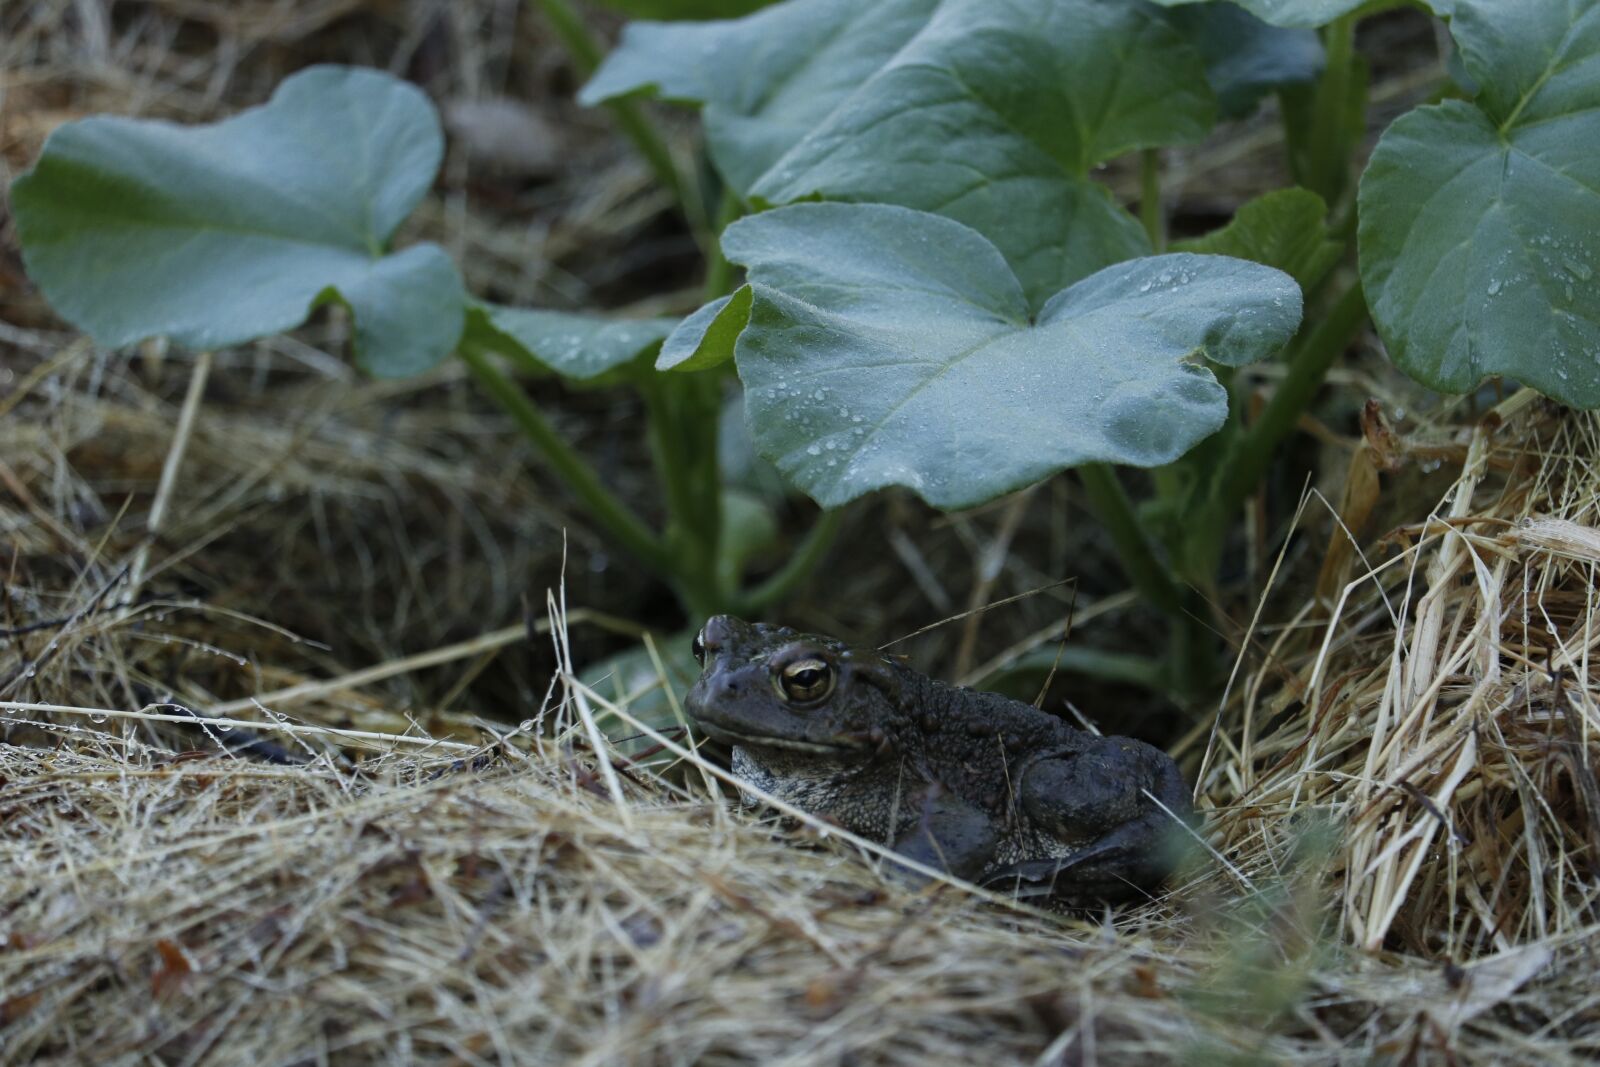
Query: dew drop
x=525, y=724
x=98, y=717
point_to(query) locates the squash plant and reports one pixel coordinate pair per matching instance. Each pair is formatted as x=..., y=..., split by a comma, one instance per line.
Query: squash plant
x=936, y=293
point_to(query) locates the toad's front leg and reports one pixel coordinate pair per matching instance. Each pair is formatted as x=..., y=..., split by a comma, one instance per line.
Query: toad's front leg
x=949, y=835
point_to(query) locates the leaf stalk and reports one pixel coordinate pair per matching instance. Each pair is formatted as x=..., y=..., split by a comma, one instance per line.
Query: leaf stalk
x=1150, y=212
x=683, y=415
x=801, y=563
x=1331, y=140
x=1308, y=366
x=615, y=517
x=586, y=55
x=1110, y=503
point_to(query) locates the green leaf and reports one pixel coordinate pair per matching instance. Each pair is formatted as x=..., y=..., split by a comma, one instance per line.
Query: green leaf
x=1304, y=14
x=215, y=235
x=764, y=80
x=630, y=678
x=1284, y=229
x=706, y=338
x=1480, y=222
x=1246, y=58
x=582, y=348
x=991, y=113
x=893, y=347
x=993, y=116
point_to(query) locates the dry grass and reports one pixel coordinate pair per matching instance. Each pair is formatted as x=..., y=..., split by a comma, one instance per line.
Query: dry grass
x=1443, y=713
x=1402, y=876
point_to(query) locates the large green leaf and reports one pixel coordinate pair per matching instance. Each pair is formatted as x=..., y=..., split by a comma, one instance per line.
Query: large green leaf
x=1294, y=13
x=1480, y=222
x=583, y=348
x=214, y=235
x=1285, y=228
x=894, y=347
x=991, y=112
x=1246, y=58
x=765, y=80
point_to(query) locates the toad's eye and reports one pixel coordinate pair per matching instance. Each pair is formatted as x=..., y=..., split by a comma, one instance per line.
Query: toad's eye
x=699, y=650
x=806, y=681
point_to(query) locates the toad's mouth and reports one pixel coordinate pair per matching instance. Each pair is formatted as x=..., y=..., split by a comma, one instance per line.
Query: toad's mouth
x=792, y=744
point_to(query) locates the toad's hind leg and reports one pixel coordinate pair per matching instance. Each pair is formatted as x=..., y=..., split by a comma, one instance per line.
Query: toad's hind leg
x=1118, y=802
x=1080, y=797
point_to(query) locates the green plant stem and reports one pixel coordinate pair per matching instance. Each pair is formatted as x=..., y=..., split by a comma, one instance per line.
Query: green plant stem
x=1192, y=651
x=1308, y=365
x=631, y=119
x=612, y=515
x=1150, y=213
x=719, y=272
x=683, y=412
x=1330, y=138
x=670, y=453
x=580, y=44
x=702, y=410
x=1111, y=505
x=805, y=558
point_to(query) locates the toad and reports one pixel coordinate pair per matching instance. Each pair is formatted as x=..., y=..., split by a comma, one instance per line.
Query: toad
x=987, y=788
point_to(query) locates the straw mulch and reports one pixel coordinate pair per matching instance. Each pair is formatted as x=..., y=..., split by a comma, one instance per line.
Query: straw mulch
x=1397, y=868
x=1439, y=707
